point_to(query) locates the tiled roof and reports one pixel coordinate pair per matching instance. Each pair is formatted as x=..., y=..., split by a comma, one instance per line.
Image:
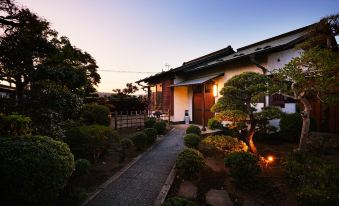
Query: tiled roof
x=227, y=54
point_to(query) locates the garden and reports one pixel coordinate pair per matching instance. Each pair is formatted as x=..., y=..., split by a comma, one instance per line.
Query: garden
x=222, y=166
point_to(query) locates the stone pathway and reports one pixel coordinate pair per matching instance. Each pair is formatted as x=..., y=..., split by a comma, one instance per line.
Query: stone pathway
x=142, y=182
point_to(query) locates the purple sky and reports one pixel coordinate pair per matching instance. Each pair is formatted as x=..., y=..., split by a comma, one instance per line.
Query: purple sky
x=144, y=35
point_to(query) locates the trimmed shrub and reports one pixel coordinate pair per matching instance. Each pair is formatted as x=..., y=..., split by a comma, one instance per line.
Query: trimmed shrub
x=149, y=123
x=160, y=127
x=192, y=140
x=151, y=134
x=316, y=179
x=90, y=142
x=33, y=169
x=82, y=166
x=214, y=124
x=290, y=126
x=126, y=143
x=193, y=129
x=139, y=140
x=14, y=125
x=95, y=114
x=189, y=163
x=220, y=145
x=244, y=168
x=312, y=196
x=177, y=201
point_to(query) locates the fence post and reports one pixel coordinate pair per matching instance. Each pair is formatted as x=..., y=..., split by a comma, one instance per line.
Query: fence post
x=169, y=116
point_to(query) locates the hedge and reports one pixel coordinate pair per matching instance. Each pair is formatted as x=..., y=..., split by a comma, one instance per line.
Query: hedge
x=33, y=169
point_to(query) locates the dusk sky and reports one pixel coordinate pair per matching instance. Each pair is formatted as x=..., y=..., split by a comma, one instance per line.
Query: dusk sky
x=144, y=35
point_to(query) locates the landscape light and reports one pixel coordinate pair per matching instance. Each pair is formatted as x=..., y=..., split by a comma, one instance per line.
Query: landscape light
x=215, y=90
x=270, y=158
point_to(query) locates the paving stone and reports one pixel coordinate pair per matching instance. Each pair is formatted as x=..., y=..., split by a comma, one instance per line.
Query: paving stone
x=250, y=203
x=218, y=198
x=141, y=183
x=215, y=165
x=188, y=190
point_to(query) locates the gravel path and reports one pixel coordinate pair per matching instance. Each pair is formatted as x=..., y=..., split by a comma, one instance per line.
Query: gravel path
x=142, y=182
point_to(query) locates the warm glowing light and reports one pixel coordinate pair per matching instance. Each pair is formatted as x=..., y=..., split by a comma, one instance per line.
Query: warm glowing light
x=270, y=158
x=215, y=90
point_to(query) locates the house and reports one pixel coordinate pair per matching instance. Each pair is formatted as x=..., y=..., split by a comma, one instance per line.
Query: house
x=7, y=91
x=194, y=87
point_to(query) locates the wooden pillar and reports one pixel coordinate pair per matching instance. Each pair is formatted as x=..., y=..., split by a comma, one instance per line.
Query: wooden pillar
x=203, y=108
x=170, y=106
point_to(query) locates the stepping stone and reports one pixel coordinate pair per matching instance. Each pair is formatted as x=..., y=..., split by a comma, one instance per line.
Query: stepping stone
x=250, y=203
x=188, y=190
x=218, y=198
x=215, y=165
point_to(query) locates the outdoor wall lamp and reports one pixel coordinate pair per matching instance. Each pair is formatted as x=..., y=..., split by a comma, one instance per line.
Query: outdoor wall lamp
x=215, y=90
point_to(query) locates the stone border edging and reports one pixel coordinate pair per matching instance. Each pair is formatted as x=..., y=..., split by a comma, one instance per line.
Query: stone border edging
x=120, y=172
x=165, y=188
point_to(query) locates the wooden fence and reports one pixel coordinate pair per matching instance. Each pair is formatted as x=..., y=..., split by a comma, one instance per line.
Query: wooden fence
x=134, y=119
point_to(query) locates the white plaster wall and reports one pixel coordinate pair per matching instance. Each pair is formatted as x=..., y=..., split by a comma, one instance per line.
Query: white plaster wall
x=181, y=100
x=231, y=72
x=278, y=60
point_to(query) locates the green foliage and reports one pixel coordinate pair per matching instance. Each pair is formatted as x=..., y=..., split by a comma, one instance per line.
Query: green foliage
x=126, y=143
x=95, y=114
x=239, y=94
x=33, y=169
x=189, y=163
x=177, y=201
x=290, y=126
x=82, y=166
x=220, y=145
x=312, y=196
x=14, y=125
x=139, y=140
x=214, y=124
x=192, y=140
x=316, y=179
x=90, y=142
x=160, y=126
x=150, y=122
x=193, y=129
x=151, y=134
x=244, y=168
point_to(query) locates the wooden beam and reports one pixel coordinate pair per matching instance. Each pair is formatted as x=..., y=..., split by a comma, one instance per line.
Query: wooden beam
x=203, y=108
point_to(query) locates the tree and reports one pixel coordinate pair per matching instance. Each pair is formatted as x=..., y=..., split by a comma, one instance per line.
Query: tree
x=33, y=52
x=129, y=89
x=8, y=15
x=239, y=97
x=23, y=48
x=315, y=73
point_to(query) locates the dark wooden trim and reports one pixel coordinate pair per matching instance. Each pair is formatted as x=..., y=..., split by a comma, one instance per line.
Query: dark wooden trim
x=203, y=107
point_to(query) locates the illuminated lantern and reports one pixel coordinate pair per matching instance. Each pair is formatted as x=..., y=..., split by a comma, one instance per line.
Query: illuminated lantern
x=215, y=90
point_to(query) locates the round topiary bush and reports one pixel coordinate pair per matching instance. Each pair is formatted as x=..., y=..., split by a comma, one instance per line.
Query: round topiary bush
x=189, y=163
x=160, y=127
x=139, y=140
x=151, y=134
x=192, y=140
x=82, y=166
x=90, y=142
x=214, y=124
x=177, y=201
x=33, y=169
x=149, y=123
x=126, y=143
x=220, y=145
x=244, y=168
x=95, y=114
x=193, y=129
